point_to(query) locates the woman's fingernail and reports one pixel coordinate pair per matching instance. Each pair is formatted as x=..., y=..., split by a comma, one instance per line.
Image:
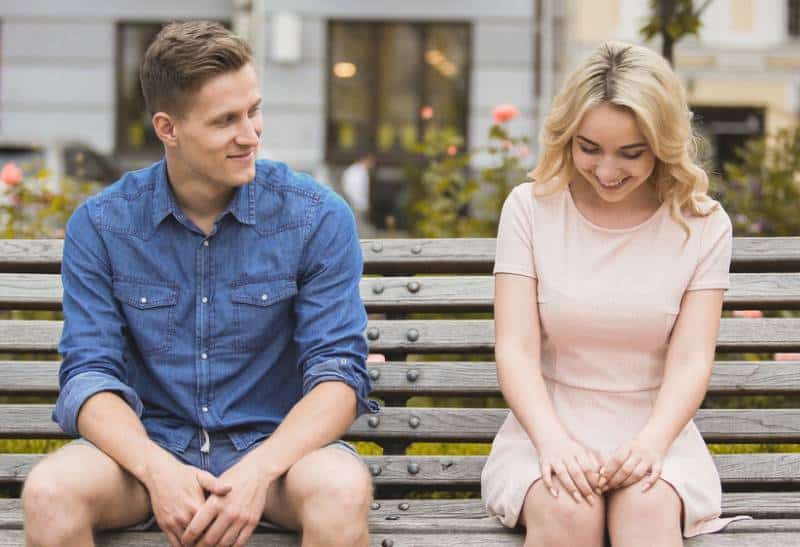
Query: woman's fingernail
x=598, y=492
x=576, y=496
x=553, y=491
x=602, y=470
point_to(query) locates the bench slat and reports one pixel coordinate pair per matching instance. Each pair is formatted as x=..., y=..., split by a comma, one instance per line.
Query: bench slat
x=445, y=255
x=734, y=469
x=463, y=424
x=383, y=533
x=451, y=378
x=440, y=294
x=437, y=336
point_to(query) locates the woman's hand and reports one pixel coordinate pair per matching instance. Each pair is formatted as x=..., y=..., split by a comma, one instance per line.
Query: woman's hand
x=576, y=467
x=632, y=462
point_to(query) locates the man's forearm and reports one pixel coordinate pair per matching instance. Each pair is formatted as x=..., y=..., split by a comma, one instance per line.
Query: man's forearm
x=318, y=419
x=108, y=422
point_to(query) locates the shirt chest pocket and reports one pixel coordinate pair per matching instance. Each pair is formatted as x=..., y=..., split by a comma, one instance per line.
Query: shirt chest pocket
x=261, y=309
x=149, y=313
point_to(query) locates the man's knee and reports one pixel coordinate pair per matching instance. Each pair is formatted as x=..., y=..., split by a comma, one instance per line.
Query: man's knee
x=54, y=508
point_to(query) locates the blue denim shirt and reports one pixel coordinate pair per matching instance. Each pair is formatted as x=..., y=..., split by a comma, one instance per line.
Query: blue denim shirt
x=224, y=333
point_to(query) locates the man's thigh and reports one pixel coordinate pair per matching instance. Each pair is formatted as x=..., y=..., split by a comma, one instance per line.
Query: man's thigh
x=113, y=497
x=314, y=473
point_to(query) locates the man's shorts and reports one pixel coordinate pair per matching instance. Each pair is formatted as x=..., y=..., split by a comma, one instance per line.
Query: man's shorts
x=221, y=456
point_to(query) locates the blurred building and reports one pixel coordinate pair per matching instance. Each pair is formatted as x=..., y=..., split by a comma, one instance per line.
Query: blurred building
x=742, y=74
x=345, y=78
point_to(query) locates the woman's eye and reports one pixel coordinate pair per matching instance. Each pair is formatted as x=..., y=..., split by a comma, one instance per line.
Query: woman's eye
x=589, y=150
x=632, y=156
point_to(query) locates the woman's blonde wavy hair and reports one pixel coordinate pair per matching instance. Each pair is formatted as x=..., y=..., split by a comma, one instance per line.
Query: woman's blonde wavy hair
x=640, y=80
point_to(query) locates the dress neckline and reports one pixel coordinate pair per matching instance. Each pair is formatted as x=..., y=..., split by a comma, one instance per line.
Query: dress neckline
x=591, y=224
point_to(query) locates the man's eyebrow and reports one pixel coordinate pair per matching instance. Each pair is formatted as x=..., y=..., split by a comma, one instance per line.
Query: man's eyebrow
x=626, y=147
x=229, y=112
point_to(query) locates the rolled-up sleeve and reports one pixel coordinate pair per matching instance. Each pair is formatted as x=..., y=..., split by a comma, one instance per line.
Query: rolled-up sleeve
x=92, y=343
x=330, y=315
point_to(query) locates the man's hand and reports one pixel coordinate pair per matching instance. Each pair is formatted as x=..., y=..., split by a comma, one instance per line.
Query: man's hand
x=177, y=492
x=229, y=519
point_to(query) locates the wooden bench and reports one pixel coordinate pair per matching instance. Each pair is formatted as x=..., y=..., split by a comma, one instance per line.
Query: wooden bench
x=406, y=278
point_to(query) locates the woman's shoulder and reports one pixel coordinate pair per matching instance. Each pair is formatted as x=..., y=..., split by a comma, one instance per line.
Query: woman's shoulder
x=711, y=217
x=531, y=196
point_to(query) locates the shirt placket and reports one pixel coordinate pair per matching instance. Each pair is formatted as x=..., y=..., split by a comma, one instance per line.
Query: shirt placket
x=203, y=314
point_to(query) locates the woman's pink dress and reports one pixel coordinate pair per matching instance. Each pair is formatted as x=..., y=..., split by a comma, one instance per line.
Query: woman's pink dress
x=608, y=299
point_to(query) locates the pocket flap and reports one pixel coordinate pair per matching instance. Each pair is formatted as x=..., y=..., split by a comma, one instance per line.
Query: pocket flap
x=265, y=293
x=144, y=295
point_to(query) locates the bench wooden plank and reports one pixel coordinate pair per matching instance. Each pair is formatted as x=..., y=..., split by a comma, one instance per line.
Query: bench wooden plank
x=451, y=378
x=440, y=294
x=441, y=514
x=437, y=336
x=734, y=469
x=462, y=424
x=452, y=538
x=445, y=255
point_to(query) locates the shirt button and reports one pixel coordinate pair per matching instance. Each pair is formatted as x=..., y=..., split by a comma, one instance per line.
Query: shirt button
x=203, y=356
x=205, y=300
x=264, y=297
x=205, y=409
x=205, y=243
x=143, y=300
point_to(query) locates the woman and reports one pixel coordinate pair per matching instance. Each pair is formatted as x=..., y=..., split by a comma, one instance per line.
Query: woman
x=610, y=271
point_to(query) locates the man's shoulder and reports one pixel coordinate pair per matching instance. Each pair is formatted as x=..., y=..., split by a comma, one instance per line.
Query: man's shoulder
x=279, y=184
x=122, y=204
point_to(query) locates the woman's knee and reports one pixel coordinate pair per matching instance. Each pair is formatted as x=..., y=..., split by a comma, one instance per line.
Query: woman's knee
x=660, y=506
x=561, y=520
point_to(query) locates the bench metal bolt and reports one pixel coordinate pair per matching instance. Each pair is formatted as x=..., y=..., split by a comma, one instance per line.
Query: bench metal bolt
x=416, y=249
x=413, y=287
x=373, y=333
x=413, y=468
x=412, y=335
x=374, y=373
x=375, y=506
x=412, y=375
x=373, y=421
x=387, y=542
x=377, y=288
x=403, y=506
x=377, y=247
x=375, y=469
x=414, y=422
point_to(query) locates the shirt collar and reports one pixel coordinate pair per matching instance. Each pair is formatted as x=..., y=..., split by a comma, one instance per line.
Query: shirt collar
x=242, y=206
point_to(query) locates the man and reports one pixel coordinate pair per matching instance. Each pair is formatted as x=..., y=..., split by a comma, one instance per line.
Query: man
x=213, y=348
x=355, y=187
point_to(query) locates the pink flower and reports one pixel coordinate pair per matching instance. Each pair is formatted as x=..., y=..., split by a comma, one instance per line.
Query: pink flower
x=504, y=112
x=452, y=150
x=523, y=151
x=787, y=356
x=11, y=174
x=750, y=314
x=426, y=112
x=507, y=145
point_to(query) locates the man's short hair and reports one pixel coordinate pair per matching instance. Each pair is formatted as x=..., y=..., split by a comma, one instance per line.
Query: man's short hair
x=183, y=57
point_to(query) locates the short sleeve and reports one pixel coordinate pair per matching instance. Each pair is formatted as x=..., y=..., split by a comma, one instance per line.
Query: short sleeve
x=514, y=253
x=714, y=262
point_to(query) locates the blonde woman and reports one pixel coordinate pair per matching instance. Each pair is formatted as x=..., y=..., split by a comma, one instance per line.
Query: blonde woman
x=610, y=271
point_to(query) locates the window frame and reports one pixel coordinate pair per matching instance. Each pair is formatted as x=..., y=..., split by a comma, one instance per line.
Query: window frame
x=391, y=158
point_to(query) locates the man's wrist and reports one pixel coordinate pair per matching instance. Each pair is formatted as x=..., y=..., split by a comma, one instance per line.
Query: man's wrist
x=150, y=466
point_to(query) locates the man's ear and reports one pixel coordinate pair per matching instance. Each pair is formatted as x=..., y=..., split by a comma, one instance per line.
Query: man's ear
x=164, y=126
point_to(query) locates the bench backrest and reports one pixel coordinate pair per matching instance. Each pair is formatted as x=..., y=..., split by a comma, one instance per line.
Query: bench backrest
x=431, y=300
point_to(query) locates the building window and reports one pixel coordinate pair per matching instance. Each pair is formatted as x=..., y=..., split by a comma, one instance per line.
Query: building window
x=134, y=129
x=388, y=82
x=725, y=130
x=135, y=135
